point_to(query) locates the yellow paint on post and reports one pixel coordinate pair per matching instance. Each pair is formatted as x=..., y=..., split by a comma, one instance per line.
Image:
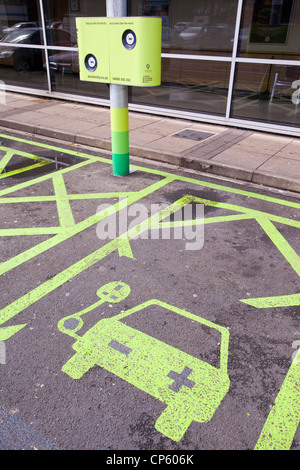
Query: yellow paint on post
x=119, y=119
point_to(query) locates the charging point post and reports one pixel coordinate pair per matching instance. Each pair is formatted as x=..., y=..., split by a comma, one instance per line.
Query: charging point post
x=119, y=106
x=119, y=129
x=120, y=51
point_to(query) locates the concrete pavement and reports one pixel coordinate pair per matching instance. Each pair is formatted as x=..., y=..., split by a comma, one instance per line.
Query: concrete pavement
x=261, y=158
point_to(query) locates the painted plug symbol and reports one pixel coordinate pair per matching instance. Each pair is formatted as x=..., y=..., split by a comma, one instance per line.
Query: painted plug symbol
x=113, y=292
x=129, y=39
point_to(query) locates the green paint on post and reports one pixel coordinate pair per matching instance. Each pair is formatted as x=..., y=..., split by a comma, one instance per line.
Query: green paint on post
x=120, y=164
x=120, y=140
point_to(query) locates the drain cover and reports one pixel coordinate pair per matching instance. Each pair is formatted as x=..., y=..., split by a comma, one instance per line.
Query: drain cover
x=192, y=135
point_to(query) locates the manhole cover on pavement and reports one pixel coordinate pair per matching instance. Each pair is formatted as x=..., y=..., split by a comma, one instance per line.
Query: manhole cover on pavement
x=192, y=135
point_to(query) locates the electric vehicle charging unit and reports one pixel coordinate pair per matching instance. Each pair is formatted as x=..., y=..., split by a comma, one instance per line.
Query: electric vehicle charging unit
x=123, y=51
x=93, y=49
x=135, y=51
x=191, y=388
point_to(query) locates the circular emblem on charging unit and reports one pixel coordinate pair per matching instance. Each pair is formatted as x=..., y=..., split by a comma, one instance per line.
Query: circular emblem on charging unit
x=90, y=62
x=129, y=39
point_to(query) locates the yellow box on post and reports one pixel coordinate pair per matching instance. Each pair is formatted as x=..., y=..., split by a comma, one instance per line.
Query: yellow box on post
x=123, y=51
x=135, y=51
x=93, y=49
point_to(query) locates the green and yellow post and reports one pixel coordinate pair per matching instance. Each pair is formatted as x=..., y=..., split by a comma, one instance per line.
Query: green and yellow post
x=122, y=51
x=119, y=129
x=119, y=106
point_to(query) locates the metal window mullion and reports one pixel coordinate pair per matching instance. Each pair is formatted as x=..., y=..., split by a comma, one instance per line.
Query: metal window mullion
x=254, y=60
x=234, y=54
x=45, y=45
x=62, y=48
x=197, y=57
x=24, y=46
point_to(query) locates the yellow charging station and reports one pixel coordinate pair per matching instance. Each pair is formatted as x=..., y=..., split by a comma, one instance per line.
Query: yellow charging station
x=123, y=51
x=135, y=51
x=93, y=49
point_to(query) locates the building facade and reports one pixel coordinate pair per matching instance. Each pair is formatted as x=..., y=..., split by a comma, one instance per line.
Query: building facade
x=232, y=62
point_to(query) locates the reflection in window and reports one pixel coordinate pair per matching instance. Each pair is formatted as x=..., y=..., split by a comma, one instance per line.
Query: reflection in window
x=60, y=37
x=189, y=85
x=205, y=27
x=267, y=93
x=23, y=67
x=24, y=36
x=18, y=20
x=61, y=18
x=270, y=29
x=286, y=80
x=64, y=73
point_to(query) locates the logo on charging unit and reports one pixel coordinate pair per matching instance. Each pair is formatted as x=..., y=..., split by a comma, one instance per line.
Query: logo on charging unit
x=90, y=62
x=129, y=39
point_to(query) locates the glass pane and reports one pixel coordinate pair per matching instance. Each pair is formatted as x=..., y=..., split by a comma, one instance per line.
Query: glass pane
x=64, y=72
x=23, y=67
x=20, y=22
x=270, y=29
x=267, y=93
x=190, y=85
x=193, y=27
x=60, y=18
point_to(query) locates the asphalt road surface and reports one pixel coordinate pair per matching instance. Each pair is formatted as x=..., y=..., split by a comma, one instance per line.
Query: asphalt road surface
x=154, y=311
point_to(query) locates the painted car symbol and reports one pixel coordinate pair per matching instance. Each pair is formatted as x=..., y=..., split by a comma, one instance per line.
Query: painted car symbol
x=191, y=388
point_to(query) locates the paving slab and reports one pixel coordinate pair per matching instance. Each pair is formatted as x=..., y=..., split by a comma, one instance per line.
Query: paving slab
x=291, y=150
x=261, y=143
x=246, y=160
x=165, y=127
x=140, y=137
x=73, y=126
